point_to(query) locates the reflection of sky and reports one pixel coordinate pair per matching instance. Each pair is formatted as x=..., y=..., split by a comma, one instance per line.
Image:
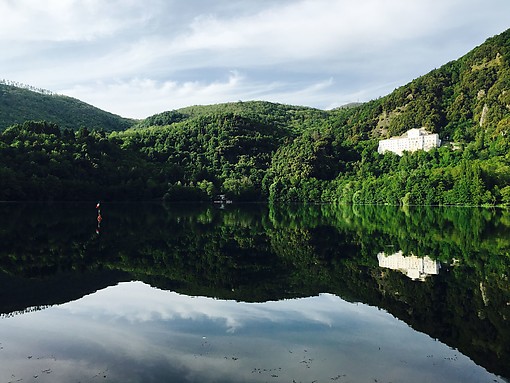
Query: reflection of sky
x=134, y=333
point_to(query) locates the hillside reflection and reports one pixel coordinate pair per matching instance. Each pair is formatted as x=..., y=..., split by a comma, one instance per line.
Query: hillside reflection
x=51, y=254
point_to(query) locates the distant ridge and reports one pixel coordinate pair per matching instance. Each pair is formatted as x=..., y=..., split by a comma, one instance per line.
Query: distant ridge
x=20, y=103
x=349, y=105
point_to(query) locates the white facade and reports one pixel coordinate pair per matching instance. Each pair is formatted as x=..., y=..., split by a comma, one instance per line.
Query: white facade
x=412, y=266
x=412, y=140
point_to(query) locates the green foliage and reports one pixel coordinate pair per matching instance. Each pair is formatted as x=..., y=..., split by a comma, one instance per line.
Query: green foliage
x=41, y=162
x=191, y=159
x=229, y=146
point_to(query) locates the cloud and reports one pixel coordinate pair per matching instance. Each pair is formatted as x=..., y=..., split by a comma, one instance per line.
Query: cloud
x=139, y=58
x=313, y=30
x=141, y=97
x=71, y=20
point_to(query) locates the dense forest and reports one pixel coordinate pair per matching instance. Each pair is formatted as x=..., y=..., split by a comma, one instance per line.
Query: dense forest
x=264, y=151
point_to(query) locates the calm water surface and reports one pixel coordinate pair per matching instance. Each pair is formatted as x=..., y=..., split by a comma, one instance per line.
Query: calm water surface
x=253, y=294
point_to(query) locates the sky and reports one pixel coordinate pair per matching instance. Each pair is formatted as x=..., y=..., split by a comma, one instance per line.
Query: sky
x=138, y=58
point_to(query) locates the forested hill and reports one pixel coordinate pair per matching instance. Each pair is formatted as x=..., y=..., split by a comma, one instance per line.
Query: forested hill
x=459, y=100
x=466, y=101
x=290, y=117
x=266, y=151
x=19, y=104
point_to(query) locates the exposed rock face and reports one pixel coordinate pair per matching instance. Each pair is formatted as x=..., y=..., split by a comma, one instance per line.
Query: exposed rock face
x=485, y=110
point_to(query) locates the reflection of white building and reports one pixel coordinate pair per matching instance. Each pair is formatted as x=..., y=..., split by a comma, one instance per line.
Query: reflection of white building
x=412, y=140
x=412, y=266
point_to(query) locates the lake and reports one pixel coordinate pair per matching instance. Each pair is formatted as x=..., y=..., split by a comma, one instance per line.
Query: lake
x=253, y=293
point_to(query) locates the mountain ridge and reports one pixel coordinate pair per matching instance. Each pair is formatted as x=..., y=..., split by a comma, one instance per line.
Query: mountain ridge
x=20, y=103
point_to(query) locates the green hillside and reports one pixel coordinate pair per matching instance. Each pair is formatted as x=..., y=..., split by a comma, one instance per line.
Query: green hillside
x=466, y=101
x=291, y=118
x=266, y=151
x=458, y=100
x=18, y=104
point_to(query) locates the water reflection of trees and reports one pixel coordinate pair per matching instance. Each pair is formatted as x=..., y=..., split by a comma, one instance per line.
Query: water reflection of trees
x=466, y=306
x=258, y=253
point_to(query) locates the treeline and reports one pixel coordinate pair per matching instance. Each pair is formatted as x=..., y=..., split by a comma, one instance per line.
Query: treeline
x=223, y=149
x=194, y=159
x=41, y=162
x=26, y=86
x=246, y=160
x=304, y=171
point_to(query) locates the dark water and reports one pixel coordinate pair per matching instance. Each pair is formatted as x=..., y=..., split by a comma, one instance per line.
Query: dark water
x=252, y=293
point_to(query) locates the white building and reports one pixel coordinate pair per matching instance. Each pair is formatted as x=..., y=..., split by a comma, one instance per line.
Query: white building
x=412, y=140
x=412, y=266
